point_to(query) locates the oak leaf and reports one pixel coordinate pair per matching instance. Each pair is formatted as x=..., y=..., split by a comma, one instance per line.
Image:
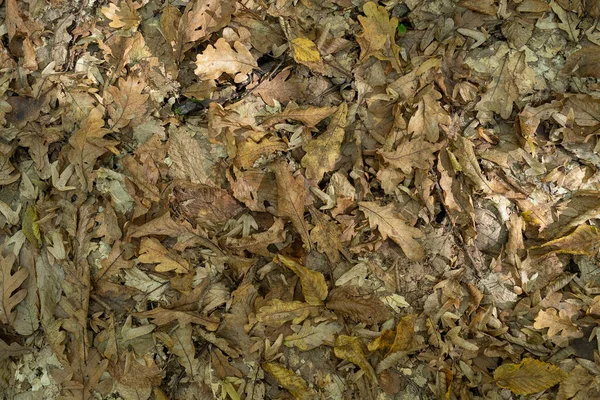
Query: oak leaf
x=314, y=287
x=528, y=377
x=221, y=58
x=152, y=252
x=429, y=115
x=390, y=224
x=413, y=153
x=291, y=196
x=127, y=104
x=323, y=152
x=9, y=283
x=378, y=36
x=122, y=16
x=349, y=348
x=163, y=316
x=557, y=322
x=249, y=151
x=258, y=243
x=305, y=50
x=291, y=382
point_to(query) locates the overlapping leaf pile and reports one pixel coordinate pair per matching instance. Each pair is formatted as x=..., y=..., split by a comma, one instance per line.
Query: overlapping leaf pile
x=263, y=199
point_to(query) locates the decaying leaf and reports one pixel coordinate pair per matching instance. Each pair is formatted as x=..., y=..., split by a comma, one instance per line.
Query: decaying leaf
x=585, y=239
x=378, y=36
x=349, y=348
x=293, y=383
x=358, y=305
x=9, y=283
x=323, y=152
x=414, y=153
x=151, y=251
x=310, y=337
x=390, y=224
x=31, y=227
x=313, y=283
x=128, y=105
x=530, y=376
x=278, y=312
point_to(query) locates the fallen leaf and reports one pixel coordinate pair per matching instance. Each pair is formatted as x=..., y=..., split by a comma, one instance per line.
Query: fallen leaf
x=378, y=36
x=291, y=382
x=349, y=348
x=278, y=312
x=314, y=287
x=221, y=58
x=122, y=16
x=414, y=153
x=584, y=240
x=9, y=283
x=310, y=337
x=557, y=322
x=358, y=305
x=528, y=377
x=126, y=103
x=391, y=225
x=323, y=152
x=152, y=252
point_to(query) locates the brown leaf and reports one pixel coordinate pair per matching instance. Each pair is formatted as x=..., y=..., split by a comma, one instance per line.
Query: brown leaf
x=291, y=197
x=314, y=287
x=126, y=103
x=323, y=152
x=258, y=243
x=278, y=312
x=557, y=322
x=358, y=305
x=152, y=252
x=9, y=283
x=278, y=88
x=163, y=316
x=414, y=153
x=221, y=59
x=249, y=151
x=308, y=115
x=391, y=225
x=378, y=36
x=326, y=234
x=310, y=337
x=528, y=377
x=584, y=240
x=429, y=116
x=122, y=16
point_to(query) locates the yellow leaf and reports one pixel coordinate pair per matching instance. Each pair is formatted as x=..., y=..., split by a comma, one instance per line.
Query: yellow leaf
x=384, y=342
x=530, y=376
x=30, y=226
x=152, y=252
x=122, y=16
x=584, y=240
x=278, y=312
x=291, y=382
x=405, y=331
x=305, y=50
x=391, y=225
x=348, y=348
x=314, y=287
x=324, y=151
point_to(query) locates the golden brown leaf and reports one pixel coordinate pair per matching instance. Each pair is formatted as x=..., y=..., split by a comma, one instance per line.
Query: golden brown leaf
x=291, y=196
x=249, y=151
x=221, y=59
x=557, y=322
x=152, y=252
x=278, y=312
x=584, y=240
x=529, y=376
x=291, y=382
x=314, y=287
x=414, y=153
x=122, y=16
x=9, y=283
x=358, y=305
x=30, y=226
x=308, y=115
x=391, y=225
x=324, y=151
x=127, y=104
x=326, y=235
x=378, y=36
x=405, y=331
x=349, y=348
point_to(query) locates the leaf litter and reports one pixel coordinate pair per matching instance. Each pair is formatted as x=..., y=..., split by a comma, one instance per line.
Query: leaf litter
x=267, y=200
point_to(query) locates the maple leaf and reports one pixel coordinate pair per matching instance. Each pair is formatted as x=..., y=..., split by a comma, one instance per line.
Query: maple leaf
x=128, y=105
x=414, y=153
x=557, y=322
x=530, y=376
x=221, y=59
x=9, y=283
x=314, y=287
x=378, y=36
x=323, y=152
x=291, y=196
x=391, y=225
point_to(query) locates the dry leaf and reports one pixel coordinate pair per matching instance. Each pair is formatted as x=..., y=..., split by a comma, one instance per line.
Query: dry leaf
x=152, y=252
x=314, y=287
x=122, y=16
x=249, y=151
x=30, y=226
x=528, y=377
x=378, y=36
x=310, y=337
x=291, y=196
x=9, y=283
x=414, y=153
x=291, y=382
x=557, y=322
x=584, y=240
x=326, y=235
x=305, y=50
x=278, y=312
x=127, y=104
x=279, y=88
x=391, y=225
x=309, y=116
x=358, y=305
x=405, y=331
x=429, y=116
x=221, y=59
x=323, y=152
x=349, y=348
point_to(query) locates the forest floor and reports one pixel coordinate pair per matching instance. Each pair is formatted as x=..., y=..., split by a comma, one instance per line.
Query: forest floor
x=276, y=199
